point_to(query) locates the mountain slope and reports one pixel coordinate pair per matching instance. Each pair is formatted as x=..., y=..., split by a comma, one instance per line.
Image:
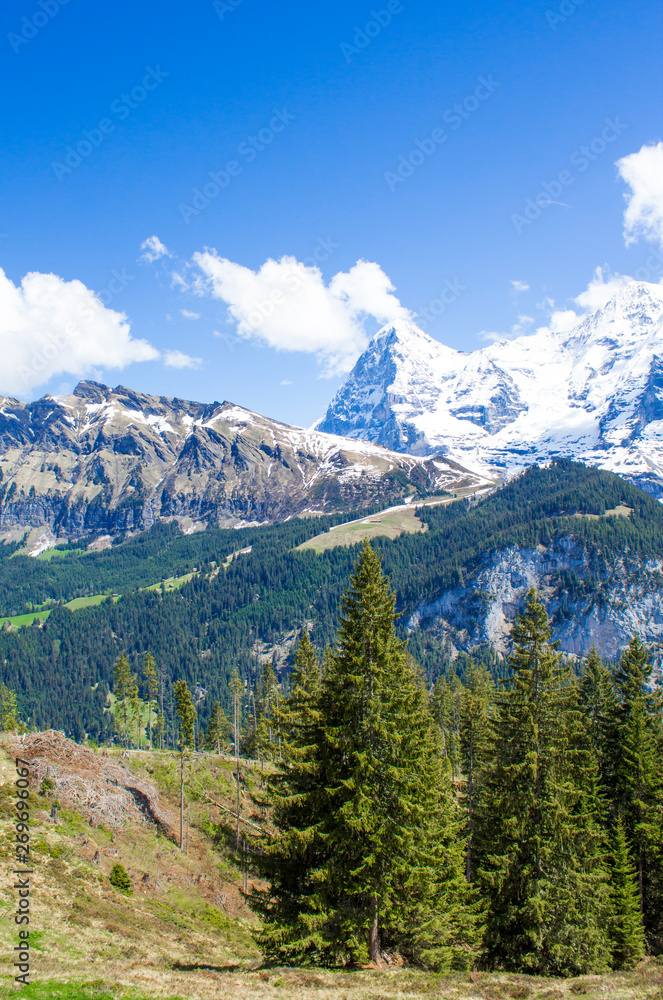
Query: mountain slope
x=115, y=460
x=589, y=541
x=594, y=393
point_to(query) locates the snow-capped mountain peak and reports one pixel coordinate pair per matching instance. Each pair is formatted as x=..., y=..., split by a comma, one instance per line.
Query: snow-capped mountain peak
x=594, y=392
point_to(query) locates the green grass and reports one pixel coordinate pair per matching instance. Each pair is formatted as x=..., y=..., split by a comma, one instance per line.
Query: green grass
x=52, y=990
x=384, y=524
x=58, y=554
x=18, y=621
x=86, y=602
x=376, y=525
x=172, y=583
x=620, y=511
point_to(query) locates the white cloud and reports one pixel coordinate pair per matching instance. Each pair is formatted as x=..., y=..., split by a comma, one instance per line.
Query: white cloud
x=286, y=381
x=517, y=330
x=189, y=315
x=177, y=359
x=49, y=327
x=177, y=281
x=561, y=320
x=287, y=305
x=153, y=249
x=599, y=291
x=520, y=286
x=643, y=172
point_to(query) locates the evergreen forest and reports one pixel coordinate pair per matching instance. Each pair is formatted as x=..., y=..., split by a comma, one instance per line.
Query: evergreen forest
x=512, y=826
x=240, y=591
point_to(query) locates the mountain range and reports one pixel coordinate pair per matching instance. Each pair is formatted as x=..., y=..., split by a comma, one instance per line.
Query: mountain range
x=414, y=417
x=115, y=460
x=593, y=393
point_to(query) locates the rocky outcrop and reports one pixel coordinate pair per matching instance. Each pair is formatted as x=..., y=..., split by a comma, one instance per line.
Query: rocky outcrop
x=589, y=599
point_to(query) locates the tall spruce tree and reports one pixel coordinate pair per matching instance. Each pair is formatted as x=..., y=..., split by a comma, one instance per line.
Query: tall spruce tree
x=372, y=822
x=540, y=842
x=267, y=735
x=217, y=734
x=152, y=684
x=446, y=703
x=627, y=936
x=475, y=723
x=122, y=684
x=289, y=861
x=293, y=715
x=8, y=709
x=136, y=706
x=598, y=703
x=637, y=764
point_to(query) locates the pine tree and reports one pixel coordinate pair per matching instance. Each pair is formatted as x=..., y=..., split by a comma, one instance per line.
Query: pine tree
x=186, y=712
x=152, y=683
x=447, y=701
x=637, y=758
x=267, y=732
x=371, y=821
x=122, y=682
x=626, y=930
x=8, y=709
x=540, y=842
x=288, y=862
x=120, y=878
x=160, y=729
x=136, y=706
x=293, y=714
x=217, y=733
x=598, y=702
x=475, y=722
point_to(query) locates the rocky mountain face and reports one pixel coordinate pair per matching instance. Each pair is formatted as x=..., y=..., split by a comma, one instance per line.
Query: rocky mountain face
x=114, y=460
x=594, y=393
x=614, y=599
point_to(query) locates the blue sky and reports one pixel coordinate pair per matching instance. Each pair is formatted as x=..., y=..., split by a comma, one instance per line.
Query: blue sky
x=410, y=135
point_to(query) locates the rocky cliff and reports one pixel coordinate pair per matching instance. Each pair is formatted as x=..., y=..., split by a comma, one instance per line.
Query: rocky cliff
x=590, y=599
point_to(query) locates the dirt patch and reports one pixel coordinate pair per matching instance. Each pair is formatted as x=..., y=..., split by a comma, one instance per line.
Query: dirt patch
x=102, y=791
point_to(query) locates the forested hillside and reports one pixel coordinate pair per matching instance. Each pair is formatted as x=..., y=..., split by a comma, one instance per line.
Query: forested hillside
x=61, y=668
x=541, y=855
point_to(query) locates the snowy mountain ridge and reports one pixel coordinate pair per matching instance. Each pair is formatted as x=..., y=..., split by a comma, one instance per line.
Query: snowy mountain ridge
x=593, y=393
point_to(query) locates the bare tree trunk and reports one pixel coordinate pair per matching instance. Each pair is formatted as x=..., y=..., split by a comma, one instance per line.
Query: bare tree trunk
x=163, y=721
x=236, y=707
x=182, y=801
x=373, y=934
x=238, y=800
